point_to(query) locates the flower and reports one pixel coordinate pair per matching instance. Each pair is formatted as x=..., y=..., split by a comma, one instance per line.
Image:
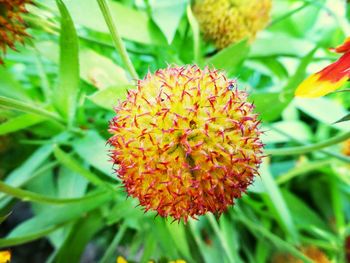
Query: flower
x=330, y=78
x=186, y=142
x=5, y=256
x=12, y=26
x=229, y=21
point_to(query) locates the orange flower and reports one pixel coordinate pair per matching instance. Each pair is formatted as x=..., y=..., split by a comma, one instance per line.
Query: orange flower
x=12, y=26
x=330, y=78
x=186, y=142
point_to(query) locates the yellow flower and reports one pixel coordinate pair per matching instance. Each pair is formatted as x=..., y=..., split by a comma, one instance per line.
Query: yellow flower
x=5, y=256
x=228, y=21
x=121, y=260
x=186, y=142
x=12, y=27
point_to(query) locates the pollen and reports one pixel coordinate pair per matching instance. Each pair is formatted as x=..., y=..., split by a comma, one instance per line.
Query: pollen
x=228, y=21
x=12, y=26
x=185, y=142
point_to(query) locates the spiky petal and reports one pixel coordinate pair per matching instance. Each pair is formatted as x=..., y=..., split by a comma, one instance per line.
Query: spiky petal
x=12, y=26
x=227, y=21
x=186, y=142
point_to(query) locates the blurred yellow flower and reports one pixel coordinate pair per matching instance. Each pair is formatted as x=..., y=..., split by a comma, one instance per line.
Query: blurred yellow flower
x=228, y=21
x=121, y=260
x=5, y=256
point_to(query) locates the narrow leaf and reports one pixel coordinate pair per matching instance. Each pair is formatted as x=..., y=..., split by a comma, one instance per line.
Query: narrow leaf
x=66, y=92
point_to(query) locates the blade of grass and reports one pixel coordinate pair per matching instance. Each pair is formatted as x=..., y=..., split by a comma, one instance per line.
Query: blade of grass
x=303, y=169
x=196, y=35
x=21, y=122
x=118, y=43
x=309, y=148
x=14, y=241
x=75, y=166
x=38, y=198
x=111, y=250
x=28, y=108
x=261, y=232
x=65, y=94
x=278, y=204
x=222, y=239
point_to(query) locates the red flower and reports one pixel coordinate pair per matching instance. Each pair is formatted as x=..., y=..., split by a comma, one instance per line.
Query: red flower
x=330, y=78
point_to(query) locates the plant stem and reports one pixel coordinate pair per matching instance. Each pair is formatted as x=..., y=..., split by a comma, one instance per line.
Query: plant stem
x=196, y=34
x=25, y=107
x=119, y=45
x=309, y=148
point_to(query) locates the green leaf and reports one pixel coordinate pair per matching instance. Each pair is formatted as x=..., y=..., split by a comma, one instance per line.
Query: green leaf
x=221, y=237
x=196, y=34
x=26, y=238
x=66, y=92
x=133, y=25
x=229, y=58
x=70, y=184
x=110, y=252
x=280, y=45
x=167, y=15
x=303, y=216
x=52, y=219
x=9, y=87
x=4, y=217
x=261, y=232
x=178, y=235
x=316, y=109
x=345, y=118
x=34, y=197
x=100, y=71
x=28, y=108
x=75, y=166
x=81, y=233
x=109, y=97
x=21, y=122
x=96, y=69
x=160, y=232
x=97, y=156
x=25, y=172
x=271, y=104
x=277, y=203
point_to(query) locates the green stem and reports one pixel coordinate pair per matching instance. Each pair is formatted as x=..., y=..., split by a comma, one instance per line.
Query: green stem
x=288, y=14
x=119, y=45
x=302, y=169
x=112, y=247
x=222, y=239
x=309, y=148
x=196, y=34
x=25, y=107
x=34, y=197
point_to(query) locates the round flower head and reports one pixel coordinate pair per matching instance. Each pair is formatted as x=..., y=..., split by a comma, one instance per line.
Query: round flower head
x=186, y=142
x=228, y=21
x=12, y=27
